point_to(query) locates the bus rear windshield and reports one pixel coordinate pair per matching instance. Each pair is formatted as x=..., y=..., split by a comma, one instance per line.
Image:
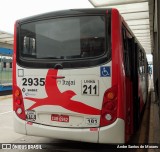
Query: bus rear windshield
x=63, y=38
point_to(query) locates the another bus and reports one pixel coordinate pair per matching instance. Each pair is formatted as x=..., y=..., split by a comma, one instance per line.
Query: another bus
x=78, y=75
x=5, y=70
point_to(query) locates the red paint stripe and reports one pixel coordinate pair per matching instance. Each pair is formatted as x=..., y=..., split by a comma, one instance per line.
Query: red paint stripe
x=55, y=97
x=117, y=61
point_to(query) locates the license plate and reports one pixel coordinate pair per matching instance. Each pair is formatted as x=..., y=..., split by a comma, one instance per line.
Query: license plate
x=30, y=115
x=59, y=118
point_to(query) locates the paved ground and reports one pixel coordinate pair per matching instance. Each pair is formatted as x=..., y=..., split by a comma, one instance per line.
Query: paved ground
x=147, y=132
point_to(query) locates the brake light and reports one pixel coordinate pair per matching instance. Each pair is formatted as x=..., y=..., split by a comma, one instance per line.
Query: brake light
x=18, y=105
x=109, y=107
x=18, y=101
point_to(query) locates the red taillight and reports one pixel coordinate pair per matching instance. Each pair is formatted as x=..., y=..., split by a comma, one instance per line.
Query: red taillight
x=18, y=101
x=109, y=107
x=18, y=105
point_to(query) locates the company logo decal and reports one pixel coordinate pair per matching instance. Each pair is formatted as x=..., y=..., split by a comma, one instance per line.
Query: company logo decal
x=29, y=94
x=65, y=82
x=105, y=71
x=55, y=97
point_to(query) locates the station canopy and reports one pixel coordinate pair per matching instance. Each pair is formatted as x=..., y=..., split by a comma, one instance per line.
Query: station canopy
x=6, y=38
x=139, y=16
x=137, y=13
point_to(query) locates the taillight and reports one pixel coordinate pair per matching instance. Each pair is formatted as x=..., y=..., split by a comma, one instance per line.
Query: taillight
x=18, y=105
x=109, y=107
x=18, y=101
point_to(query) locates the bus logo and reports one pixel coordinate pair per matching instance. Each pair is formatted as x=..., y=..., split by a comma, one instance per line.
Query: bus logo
x=105, y=71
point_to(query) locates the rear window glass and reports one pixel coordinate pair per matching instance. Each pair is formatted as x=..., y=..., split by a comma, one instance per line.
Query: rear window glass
x=63, y=38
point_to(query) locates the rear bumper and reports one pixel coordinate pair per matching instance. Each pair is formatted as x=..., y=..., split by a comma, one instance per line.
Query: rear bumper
x=110, y=134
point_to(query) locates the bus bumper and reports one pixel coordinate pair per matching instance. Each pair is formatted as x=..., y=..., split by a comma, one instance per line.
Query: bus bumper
x=114, y=133
x=110, y=134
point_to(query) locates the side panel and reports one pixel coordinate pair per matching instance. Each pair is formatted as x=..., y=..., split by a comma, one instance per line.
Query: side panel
x=14, y=83
x=143, y=76
x=117, y=62
x=118, y=77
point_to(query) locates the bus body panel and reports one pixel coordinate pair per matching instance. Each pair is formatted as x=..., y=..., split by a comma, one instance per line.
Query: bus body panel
x=19, y=124
x=115, y=132
x=110, y=134
x=78, y=97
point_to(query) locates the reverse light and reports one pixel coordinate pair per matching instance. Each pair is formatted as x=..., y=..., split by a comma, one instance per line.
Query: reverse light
x=19, y=111
x=108, y=116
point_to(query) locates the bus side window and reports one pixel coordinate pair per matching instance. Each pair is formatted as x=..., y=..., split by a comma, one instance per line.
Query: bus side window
x=143, y=63
x=140, y=62
x=126, y=53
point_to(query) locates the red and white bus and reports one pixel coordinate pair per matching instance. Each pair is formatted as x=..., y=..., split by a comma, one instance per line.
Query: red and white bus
x=78, y=75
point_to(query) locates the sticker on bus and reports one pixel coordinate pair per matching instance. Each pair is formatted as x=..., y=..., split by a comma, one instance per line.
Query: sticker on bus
x=105, y=71
x=90, y=87
x=91, y=121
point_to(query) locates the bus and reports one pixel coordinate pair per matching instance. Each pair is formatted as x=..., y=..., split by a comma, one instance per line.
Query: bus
x=78, y=75
x=5, y=70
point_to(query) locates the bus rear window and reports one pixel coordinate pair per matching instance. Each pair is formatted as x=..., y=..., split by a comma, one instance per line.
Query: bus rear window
x=63, y=38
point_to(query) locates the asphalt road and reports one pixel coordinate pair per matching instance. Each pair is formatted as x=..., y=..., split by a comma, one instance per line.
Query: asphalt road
x=7, y=135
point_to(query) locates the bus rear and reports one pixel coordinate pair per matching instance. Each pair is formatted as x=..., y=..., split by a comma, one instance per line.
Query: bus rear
x=62, y=80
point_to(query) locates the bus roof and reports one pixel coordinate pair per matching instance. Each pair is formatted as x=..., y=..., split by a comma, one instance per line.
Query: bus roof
x=66, y=13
